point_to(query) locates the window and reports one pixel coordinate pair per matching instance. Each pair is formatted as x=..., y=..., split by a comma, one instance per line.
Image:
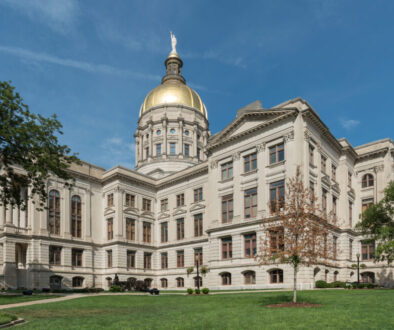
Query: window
x=324, y=200
x=146, y=228
x=227, y=208
x=323, y=164
x=365, y=203
x=277, y=195
x=76, y=255
x=350, y=249
x=146, y=204
x=226, y=278
x=335, y=276
x=180, y=259
x=198, y=153
x=158, y=149
x=55, y=253
x=77, y=282
x=250, y=200
x=148, y=282
x=198, y=256
x=164, y=205
x=227, y=170
x=333, y=172
x=349, y=179
x=172, y=130
x=110, y=200
x=147, y=260
x=164, y=232
x=312, y=192
x=198, y=195
x=130, y=229
x=158, y=132
x=172, y=148
x=368, y=277
x=334, y=205
x=368, y=250
x=109, y=258
x=250, y=245
x=76, y=216
x=180, y=229
x=164, y=283
x=164, y=260
x=311, y=154
x=367, y=181
x=130, y=200
x=227, y=248
x=334, y=247
x=198, y=225
x=277, y=240
x=187, y=149
x=277, y=153
x=180, y=200
x=350, y=214
x=146, y=152
x=110, y=229
x=130, y=259
x=180, y=283
x=276, y=276
x=250, y=162
x=197, y=281
x=54, y=212
x=187, y=132
x=250, y=277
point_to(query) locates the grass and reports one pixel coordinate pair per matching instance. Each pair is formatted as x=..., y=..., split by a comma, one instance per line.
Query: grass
x=342, y=309
x=6, y=318
x=14, y=299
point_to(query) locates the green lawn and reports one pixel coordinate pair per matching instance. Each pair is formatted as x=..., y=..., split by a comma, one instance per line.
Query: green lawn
x=342, y=309
x=8, y=299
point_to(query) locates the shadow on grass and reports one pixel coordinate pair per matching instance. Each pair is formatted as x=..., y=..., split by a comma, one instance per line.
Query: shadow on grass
x=284, y=298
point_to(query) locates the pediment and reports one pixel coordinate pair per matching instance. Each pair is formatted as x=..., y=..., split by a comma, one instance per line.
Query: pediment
x=131, y=210
x=109, y=211
x=164, y=215
x=147, y=214
x=178, y=212
x=198, y=206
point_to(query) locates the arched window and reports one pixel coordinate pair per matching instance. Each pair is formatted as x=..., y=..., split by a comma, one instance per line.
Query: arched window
x=76, y=216
x=198, y=280
x=250, y=277
x=54, y=212
x=367, y=181
x=276, y=276
x=368, y=277
x=316, y=271
x=180, y=283
x=226, y=278
x=77, y=281
x=336, y=276
x=55, y=282
x=148, y=282
x=326, y=275
x=109, y=281
x=164, y=283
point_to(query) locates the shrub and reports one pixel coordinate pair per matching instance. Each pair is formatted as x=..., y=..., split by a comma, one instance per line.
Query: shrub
x=95, y=290
x=189, y=270
x=370, y=286
x=337, y=284
x=205, y=290
x=197, y=291
x=321, y=284
x=189, y=291
x=115, y=288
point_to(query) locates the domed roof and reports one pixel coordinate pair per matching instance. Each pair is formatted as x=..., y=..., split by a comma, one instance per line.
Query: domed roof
x=173, y=89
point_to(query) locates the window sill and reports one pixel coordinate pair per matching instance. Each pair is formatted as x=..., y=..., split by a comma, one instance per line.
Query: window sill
x=250, y=172
x=276, y=164
x=226, y=180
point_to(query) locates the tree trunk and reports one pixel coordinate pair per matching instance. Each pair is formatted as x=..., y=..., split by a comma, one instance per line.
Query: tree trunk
x=295, y=284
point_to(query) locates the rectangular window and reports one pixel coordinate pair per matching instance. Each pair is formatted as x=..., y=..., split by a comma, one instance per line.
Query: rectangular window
x=146, y=232
x=312, y=192
x=334, y=172
x=180, y=229
x=323, y=163
x=350, y=249
x=334, y=205
x=130, y=259
x=250, y=162
x=164, y=205
x=198, y=195
x=76, y=216
x=250, y=203
x=130, y=200
x=147, y=260
x=311, y=154
x=146, y=204
x=109, y=258
x=277, y=195
x=180, y=200
x=187, y=149
x=324, y=200
x=227, y=208
x=172, y=148
x=198, y=225
x=180, y=259
x=158, y=149
x=110, y=200
x=277, y=153
x=110, y=229
x=198, y=153
x=227, y=248
x=365, y=203
x=250, y=245
x=130, y=229
x=164, y=232
x=164, y=260
x=198, y=256
x=55, y=253
x=227, y=170
x=76, y=257
x=349, y=179
x=146, y=152
x=334, y=247
x=368, y=250
x=277, y=240
x=350, y=214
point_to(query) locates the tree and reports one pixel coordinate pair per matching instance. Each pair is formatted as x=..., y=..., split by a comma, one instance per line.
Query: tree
x=298, y=231
x=377, y=223
x=29, y=151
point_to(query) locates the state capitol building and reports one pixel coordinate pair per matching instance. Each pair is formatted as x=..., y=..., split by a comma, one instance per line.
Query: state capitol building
x=197, y=196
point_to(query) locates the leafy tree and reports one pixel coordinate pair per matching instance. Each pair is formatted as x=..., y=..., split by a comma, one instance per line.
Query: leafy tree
x=377, y=222
x=29, y=151
x=298, y=231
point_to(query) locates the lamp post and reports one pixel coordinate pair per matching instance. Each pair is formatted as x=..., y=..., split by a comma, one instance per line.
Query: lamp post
x=198, y=276
x=358, y=268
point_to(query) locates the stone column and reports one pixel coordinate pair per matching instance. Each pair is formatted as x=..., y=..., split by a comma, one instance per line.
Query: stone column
x=150, y=140
x=164, y=151
x=141, y=158
x=195, y=143
x=65, y=215
x=119, y=214
x=180, y=137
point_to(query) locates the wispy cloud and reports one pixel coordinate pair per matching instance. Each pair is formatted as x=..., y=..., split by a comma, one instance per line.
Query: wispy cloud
x=217, y=56
x=26, y=54
x=59, y=15
x=349, y=123
x=118, y=152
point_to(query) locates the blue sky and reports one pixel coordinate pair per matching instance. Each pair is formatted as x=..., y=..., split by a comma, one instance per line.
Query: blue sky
x=92, y=62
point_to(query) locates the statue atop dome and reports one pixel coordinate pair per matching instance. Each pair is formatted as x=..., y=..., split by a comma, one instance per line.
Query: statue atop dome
x=173, y=43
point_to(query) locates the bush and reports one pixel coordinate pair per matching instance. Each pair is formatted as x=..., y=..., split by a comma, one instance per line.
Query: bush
x=321, y=284
x=205, y=290
x=115, y=288
x=337, y=284
x=189, y=291
x=95, y=290
x=197, y=291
